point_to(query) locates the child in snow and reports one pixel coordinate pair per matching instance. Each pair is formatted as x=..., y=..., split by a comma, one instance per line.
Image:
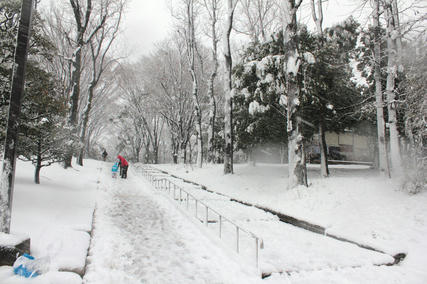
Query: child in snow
x=115, y=169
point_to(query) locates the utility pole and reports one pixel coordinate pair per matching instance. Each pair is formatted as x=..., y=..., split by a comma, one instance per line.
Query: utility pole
x=9, y=159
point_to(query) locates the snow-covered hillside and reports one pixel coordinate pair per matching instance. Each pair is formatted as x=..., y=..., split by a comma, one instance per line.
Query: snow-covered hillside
x=142, y=235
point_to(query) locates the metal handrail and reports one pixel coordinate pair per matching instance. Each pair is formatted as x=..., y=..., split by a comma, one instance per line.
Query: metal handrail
x=161, y=183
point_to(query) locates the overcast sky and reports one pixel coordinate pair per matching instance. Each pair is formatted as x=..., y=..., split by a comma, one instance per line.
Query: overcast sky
x=145, y=23
x=148, y=21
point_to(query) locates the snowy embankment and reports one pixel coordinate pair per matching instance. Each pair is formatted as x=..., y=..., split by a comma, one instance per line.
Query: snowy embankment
x=354, y=203
x=57, y=216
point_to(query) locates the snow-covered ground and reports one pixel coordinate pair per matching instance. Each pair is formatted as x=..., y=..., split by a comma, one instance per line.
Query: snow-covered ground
x=57, y=216
x=355, y=203
x=141, y=235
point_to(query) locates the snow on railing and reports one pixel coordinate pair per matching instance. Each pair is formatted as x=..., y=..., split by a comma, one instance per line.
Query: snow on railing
x=212, y=216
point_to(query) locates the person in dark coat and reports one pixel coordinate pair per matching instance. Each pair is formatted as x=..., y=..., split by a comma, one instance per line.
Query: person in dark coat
x=104, y=155
x=123, y=166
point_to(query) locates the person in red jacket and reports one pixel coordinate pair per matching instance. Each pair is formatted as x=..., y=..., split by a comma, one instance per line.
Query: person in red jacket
x=123, y=166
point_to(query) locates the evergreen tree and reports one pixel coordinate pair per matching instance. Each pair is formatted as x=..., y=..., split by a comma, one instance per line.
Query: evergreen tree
x=39, y=47
x=333, y=95
x=43, y=116
x=327, y=91
x=42, y=109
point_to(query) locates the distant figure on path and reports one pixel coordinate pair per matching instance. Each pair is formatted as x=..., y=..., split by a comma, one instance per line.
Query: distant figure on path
x=123, y=166
x=104, y=155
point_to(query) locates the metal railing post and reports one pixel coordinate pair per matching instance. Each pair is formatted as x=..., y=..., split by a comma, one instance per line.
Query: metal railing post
x=220, y=225
x=237, y=238
x=207, y=212
x=256, y=252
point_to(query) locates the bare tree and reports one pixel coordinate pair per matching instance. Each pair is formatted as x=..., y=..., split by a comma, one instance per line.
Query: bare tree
x=187, y=15
x=85, y=30
x=59, y=65
x=100, y=45
x=257, y=18
x=142, y=107
x=212, y=6
x=167, y=79
x=228, y=89
x=190, y=39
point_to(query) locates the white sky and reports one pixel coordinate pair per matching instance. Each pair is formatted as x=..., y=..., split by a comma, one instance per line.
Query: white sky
x=149, y=21
x=145, y=23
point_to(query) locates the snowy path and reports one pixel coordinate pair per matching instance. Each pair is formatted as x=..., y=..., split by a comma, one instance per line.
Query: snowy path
x=140, y=237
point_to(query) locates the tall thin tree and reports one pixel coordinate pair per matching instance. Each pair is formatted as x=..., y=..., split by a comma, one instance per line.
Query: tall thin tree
x=99, y=45
x=82, y=37
x=392, y=19
x=296, y=153
x=382, y=149
x=317, y=15
x=228, y=89
x=191, y=55
x=212, y=7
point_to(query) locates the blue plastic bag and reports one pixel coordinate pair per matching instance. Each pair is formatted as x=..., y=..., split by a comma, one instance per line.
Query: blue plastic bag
x=25, y=265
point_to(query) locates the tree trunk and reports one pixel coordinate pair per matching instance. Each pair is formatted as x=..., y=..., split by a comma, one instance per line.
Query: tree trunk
x=211, y=93
x=296, y=154
x=318, y=20
x=155, y=154
x=191, y=50
x=74, y=99
x=184, y=153
x=85, y=123
x=175, y=151
x=251, y=157
x=324, y=169
x=38, y=162
x=396, y=161
x=382, y=149
x=212, y=117
x=198, y=122
x=147, y=153
x=228, y=106
x=137, y=153
x=18, y=80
